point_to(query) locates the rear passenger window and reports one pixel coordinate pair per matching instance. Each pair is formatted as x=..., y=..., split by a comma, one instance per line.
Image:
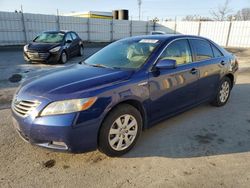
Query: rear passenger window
x=178, y=50
x=217, y=52
x=202, y=49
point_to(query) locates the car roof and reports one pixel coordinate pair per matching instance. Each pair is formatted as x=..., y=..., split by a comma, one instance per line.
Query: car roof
x=60, y=31
x=166, y=37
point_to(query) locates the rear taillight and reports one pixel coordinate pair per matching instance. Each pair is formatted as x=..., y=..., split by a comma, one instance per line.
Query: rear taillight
x=236, y=64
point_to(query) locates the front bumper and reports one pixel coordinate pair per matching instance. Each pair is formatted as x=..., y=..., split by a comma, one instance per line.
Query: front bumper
x=45, y=57
x=49, y=130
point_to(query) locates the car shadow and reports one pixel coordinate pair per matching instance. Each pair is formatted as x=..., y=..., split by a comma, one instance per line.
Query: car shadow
x=202, y=131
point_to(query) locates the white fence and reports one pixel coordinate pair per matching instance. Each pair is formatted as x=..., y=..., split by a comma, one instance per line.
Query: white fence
x=226, y=33
x=20, y=28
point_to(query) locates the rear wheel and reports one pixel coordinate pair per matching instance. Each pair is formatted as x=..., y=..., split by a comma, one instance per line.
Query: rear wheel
x=64, y=57
x=223, y=92
x=120, y=130
x=81, y=51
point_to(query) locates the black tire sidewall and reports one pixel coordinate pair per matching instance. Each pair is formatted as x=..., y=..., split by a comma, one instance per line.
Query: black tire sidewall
x=120, y=110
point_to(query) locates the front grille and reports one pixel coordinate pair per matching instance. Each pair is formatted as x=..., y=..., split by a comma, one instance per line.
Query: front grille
x=37, y=55
x=44, y=55
x=24, y=107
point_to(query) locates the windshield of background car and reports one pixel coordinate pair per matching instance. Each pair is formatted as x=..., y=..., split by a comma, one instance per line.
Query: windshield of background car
x=49, y=37
x=130, y=54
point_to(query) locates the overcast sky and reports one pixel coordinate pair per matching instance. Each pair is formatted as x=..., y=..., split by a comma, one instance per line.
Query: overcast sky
x=150, y=8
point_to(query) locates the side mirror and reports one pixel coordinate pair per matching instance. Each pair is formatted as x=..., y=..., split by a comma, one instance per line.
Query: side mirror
x=68, y=41
x=166, y=64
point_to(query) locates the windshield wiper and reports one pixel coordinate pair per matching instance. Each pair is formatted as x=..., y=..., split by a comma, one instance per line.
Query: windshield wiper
x=83, y=62
x=98, y=65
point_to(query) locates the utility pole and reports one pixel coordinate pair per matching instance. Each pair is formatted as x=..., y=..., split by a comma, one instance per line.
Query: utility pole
x=139, y=6
x=21, y=8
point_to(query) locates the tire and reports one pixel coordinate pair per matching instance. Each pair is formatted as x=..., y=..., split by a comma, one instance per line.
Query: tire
x=63, y=58
x=223, y=92
x=81, y=51
x=116, y=137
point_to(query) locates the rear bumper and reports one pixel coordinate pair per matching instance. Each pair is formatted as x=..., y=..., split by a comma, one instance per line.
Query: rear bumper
x=45, y=57
x=48, y=131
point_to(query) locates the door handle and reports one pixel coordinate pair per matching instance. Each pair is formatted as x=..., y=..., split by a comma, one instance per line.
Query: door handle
x=222, y=62
x=194, y=71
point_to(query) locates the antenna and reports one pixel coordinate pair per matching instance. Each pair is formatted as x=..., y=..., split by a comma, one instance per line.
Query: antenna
x=139, y=6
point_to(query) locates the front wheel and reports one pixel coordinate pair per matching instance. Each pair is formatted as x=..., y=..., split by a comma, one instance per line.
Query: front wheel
x=223, y=92
x=64, y=57
x=120, y=130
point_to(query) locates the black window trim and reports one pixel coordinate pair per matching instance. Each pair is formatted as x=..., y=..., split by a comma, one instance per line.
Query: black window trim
x=213, y=46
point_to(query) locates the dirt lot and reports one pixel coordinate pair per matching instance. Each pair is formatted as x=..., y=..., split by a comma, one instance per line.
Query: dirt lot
x=204, y=147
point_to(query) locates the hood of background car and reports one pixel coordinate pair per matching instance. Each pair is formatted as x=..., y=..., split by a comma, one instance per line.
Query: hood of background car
x=73, y=80
x=42, y=46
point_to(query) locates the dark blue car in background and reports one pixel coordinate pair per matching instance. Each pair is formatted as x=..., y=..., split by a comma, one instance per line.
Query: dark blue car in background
x=106, y=101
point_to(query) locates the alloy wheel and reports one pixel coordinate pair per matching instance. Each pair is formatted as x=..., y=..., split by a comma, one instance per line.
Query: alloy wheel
x=123, y=132
x=224, y=92
x=64, y=57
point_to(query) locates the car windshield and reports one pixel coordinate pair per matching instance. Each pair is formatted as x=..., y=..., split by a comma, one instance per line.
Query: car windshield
x=130, y=54
x=49, y=37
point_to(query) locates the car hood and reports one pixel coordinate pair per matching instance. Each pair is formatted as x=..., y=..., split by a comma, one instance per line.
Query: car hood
x=73, y=81
x=36, y=46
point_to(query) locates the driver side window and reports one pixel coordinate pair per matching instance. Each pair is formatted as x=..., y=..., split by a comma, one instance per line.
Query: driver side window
x=68, y=37
x=178, y=50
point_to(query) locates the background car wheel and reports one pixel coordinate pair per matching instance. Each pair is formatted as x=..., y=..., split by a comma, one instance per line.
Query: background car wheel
x=64, y=57
x=81, y=51
x=223, y=92
x=120, y=130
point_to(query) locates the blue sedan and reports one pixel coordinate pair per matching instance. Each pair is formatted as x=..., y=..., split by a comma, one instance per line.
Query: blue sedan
x=106, y=101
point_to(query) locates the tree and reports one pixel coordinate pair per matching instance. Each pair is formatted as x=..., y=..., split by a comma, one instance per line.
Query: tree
x=196, y=18
x=222, y=12
x=190, y=18
x=243, y=14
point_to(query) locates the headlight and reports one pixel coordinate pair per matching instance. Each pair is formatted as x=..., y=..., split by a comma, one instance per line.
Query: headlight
x=25, y=48
x=68, y=106
x=56, y=49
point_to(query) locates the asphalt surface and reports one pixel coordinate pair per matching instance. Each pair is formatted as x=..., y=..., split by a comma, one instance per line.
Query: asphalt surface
x=14, y=70
x=203, y=147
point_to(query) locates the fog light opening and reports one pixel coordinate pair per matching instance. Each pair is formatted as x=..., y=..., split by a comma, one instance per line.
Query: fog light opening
x=54, y=145
x=59, y=144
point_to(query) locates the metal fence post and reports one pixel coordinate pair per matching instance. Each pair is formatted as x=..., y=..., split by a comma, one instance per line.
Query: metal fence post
x=88, y=29
x=24, y=28
x=199, y=29
x=58, y=20
x=112, y=30
x=175, y=25
x=229, y=32
x=147, y=28
x=131, y=28
x=154, y=25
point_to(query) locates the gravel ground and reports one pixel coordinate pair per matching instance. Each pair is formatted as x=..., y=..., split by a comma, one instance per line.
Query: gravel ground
x=203, y=147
